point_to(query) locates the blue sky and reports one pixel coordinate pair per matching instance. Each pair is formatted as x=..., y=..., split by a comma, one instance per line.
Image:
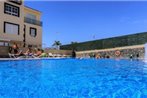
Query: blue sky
x=81, y=21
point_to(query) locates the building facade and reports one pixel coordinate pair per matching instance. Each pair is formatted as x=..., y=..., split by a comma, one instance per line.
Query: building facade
x=19, y=24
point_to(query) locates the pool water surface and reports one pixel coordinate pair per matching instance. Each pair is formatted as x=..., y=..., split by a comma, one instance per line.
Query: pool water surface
x=73, y=78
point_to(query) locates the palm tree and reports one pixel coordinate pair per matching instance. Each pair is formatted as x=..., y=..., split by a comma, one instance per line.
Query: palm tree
x=57, y=44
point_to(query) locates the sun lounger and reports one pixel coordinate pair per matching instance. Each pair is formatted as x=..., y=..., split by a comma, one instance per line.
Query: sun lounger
x=50, y=55
x=15, y=55
x=21, y=55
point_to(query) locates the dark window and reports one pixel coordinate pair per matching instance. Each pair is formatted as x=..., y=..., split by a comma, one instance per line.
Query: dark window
x=11, y=9
x=11, y=28
x=33, y=32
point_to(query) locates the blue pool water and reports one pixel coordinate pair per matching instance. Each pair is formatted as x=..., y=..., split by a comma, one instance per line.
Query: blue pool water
x=73, y=78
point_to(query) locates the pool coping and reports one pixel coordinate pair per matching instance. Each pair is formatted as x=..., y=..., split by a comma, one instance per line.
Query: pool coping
x=57, y=58
x=16, y=59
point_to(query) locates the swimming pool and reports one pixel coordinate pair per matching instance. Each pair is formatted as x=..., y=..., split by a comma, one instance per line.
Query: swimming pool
x=73, y=78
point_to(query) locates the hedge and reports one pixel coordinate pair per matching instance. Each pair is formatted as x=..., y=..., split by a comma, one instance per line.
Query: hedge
x=127, y=40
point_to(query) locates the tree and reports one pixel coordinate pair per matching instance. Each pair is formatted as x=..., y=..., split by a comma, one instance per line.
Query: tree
x=57, y=44
x=74, y=42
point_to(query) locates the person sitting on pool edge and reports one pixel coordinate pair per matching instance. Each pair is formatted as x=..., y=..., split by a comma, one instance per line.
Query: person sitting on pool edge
x=29, y=52
x=14, y=51
x=38, y=52
x=43, y=54
x=73, y=53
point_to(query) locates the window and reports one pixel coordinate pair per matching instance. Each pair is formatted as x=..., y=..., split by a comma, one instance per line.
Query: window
x=1, y=43
x=6, y=44
x=31, y=16
x=11, y=10
x=11, y=28
x=30, y=46
x=33, y=32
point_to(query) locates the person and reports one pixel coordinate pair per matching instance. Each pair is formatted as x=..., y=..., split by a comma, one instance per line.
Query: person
x=97, y=56
x=137, y=55
x=94, y=55
x=107, y=56
x=14, y=51
x=73, y=54
x=131, y=56
x=43, y=54
x=38, y=52
x=28, y=52
x=15, y=48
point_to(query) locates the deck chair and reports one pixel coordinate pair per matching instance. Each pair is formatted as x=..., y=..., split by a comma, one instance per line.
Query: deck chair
x=15, y=55
x=50, y=55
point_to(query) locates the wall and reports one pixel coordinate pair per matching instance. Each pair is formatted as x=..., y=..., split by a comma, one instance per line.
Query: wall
x=12, y=19
x=4, y=51
x=20, y=20
x=33, y=40
x=62, y=52
x=32, y=11
x=29, y=39
x=125, y=52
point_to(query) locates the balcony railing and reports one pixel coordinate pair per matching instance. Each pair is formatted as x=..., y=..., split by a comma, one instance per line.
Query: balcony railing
x=32, y=21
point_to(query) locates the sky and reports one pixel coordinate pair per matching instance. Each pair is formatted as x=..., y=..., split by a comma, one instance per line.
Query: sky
x=80, y=21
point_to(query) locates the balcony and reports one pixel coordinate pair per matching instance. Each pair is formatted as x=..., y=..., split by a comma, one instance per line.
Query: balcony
x=32, y=21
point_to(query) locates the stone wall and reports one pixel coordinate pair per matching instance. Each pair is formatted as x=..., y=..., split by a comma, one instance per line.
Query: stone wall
x=123, y=52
